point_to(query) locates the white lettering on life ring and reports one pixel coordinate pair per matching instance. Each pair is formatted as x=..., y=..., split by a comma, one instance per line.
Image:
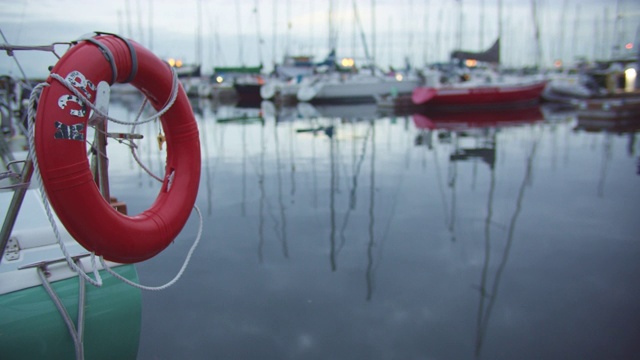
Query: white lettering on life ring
x=64, y=99
x=79, y=81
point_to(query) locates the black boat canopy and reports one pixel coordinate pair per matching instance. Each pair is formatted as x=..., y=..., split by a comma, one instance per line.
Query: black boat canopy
x=492, y=55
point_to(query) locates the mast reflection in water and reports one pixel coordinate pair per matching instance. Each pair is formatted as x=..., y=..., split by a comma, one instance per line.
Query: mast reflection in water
x=334, y=232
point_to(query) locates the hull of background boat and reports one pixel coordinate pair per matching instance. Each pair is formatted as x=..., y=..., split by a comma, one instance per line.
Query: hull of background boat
x=248, y=93
x=478, y=96
x=32, y=328
x=277, y=90
x=610, y=108
x=352, y=91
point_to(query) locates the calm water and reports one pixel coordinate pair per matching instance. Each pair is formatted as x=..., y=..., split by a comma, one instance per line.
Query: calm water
x=500, y=236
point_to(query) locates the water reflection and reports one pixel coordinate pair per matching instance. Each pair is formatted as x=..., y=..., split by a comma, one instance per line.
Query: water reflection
x=484, y=310
x=428, y=219
x=482, y=129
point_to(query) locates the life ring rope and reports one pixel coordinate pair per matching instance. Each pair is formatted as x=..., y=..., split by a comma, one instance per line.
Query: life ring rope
x=134, y=123
x=86, y=101
x=34, y=97
x=177, y=276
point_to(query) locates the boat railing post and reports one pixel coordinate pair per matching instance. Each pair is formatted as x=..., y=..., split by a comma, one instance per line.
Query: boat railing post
x=100, y=123
x=14, y=207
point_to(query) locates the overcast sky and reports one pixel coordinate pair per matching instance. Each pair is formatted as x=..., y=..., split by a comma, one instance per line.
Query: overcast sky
x=226, y=33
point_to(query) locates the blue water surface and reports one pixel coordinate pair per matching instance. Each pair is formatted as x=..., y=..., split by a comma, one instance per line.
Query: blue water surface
x=339, y=232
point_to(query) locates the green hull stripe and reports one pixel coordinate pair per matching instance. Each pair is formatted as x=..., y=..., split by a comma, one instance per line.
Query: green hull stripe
x=32, y=328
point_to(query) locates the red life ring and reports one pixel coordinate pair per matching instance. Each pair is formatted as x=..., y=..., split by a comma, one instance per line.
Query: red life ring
x=62, y=153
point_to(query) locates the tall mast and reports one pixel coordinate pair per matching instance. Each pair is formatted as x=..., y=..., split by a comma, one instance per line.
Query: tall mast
x=289, y=25
x=576, y=26
x=481, y=25
x=331, y=39
x=616, y=32
x=275, y=34
x=425, y=54
x=439, y=31
x=562, y=34
x=500, y=20
x=127, y=13
x=240, y=49
x=258, y=35
x=537, y=34
x=150, y=20
x=459, y=40
x=139, y=15
x=500, y=39
x=199, y=34
x=373, y=33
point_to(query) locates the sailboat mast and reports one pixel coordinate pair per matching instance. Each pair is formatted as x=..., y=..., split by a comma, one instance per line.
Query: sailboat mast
x=140, y=29
x=562, y=28
x=500, y=21
x=258, y=36
x=199, y=34
x=616, y=32
x=373, y=34
x=537, y=34
x=331, y=39
x=481, y=24
x=240, y=49
x=127, y=13
x=275, y=36
x=150, y=20
x=439, y=32
x=425, y=52
x=289, y=25
x=364, y=39
x=460, y=17
x=576, y=26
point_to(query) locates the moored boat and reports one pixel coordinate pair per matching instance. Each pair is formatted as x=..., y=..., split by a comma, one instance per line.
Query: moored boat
x=339, y=87
x=245, y=80
x=614, y=106
x=604, y=90
x=501, y=94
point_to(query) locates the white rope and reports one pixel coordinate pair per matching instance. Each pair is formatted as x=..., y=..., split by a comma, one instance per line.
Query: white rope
x=35, y=94
x=137, y=121
x=76, y=335
x=76, y=92
x=145, y=168
x=178, y=275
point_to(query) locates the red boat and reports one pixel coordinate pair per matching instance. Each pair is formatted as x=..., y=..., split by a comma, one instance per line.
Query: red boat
x=484, y=95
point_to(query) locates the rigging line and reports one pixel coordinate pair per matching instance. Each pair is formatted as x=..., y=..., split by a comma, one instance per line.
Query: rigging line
x=10, y=49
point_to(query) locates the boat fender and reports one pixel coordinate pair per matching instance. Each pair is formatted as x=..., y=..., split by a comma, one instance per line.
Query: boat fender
x=61, y=149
